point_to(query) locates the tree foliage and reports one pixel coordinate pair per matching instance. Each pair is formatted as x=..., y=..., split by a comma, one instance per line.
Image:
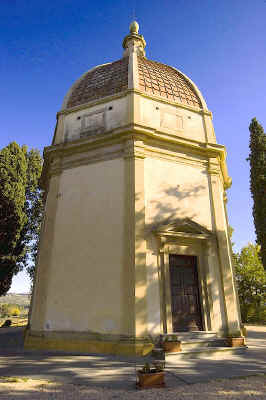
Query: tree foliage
x=257, y=159
x=9, y=310
x=19, y=195
x=251, y=282
x=34, y=211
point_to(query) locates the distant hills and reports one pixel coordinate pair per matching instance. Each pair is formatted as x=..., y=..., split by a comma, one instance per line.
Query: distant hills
x=21, y=299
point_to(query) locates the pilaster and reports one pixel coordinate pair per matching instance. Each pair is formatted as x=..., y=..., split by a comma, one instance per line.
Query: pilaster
x=220, y=227
x=41, y=283
x=231, y=253
x=59, y=130
x=154, y=322
x=209, y=130
x=213, y=284
x=134, y=156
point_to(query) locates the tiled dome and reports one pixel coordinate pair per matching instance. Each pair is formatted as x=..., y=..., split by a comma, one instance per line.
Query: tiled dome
x=150, y=77
x=164, y=81
x=100, y=82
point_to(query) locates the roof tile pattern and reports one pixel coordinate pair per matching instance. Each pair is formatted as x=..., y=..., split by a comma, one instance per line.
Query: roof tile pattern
x=165, y=81
x=154, y=78
x=103, y=81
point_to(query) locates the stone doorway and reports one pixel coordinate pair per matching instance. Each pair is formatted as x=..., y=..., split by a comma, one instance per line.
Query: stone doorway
x=185, y=300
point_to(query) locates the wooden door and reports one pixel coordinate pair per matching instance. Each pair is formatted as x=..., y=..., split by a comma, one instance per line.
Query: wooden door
x=186, y=311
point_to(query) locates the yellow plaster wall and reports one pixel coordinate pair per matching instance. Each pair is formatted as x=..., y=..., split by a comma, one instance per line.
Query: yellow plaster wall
x=175, y=190
x=154, y=312
x=39, y=294
x=85, y=283
x=97, y=118
x=172, y=190
x=171, y=119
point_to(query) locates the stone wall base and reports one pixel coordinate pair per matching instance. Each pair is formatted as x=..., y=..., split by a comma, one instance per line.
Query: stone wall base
x=84, y=344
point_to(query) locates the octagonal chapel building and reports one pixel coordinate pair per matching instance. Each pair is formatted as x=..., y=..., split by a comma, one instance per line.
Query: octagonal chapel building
x=134, y=242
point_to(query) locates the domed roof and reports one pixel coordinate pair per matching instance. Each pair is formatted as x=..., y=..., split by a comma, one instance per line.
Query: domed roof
x=165, y=81
x=104, y=80
x=151, y=77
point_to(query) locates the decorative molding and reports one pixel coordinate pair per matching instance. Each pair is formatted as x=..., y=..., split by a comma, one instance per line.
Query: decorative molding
x=93, y=103
x=171, y=102
x=180, y=228
x=214, y=168
x=225, y=197
x=134, y=149
x=183, y=235
x=144, y=133
x=169, y=119
x=93, y=121
x=136, y=91
x=228, y=183
x=147, y=142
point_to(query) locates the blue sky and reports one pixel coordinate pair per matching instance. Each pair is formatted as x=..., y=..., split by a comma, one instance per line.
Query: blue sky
x=220, y=45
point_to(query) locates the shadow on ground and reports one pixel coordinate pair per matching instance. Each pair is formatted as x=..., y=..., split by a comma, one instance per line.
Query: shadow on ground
x=119, y=372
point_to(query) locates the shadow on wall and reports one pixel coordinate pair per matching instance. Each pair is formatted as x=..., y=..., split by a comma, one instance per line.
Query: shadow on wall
x=166, y=208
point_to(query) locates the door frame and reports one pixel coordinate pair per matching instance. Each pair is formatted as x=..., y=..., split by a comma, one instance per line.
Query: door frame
x=166, y=299
x=185, y=237
x=194, y=265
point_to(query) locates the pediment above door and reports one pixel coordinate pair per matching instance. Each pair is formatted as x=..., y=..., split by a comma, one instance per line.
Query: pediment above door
x=186, y=228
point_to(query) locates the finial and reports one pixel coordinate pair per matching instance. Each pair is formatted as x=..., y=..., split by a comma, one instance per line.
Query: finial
x=134, y=42
x=134, y=27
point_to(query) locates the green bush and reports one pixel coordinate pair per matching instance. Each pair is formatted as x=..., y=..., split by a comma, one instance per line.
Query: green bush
x=254, y=314
x=14, y=311
x=251, y=282
x=9, y=310
x=4, y=310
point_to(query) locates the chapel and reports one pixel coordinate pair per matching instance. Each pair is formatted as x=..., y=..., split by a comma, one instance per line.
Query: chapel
x=134, y=242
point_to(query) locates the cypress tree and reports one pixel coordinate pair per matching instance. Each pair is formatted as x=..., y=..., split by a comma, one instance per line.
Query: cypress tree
x=257, y=159
x=19, y=175
x=34, y=209
x=13, y=176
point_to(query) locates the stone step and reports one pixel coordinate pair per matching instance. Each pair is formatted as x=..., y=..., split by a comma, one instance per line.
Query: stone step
x=199, y=342
x=202, y=352
x=192, y=335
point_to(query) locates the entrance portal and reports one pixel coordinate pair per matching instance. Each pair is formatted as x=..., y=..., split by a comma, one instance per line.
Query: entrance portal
x=186, y=311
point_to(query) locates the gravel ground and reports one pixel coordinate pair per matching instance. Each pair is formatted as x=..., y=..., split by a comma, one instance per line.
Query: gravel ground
x=229, y=389
x=69, y=375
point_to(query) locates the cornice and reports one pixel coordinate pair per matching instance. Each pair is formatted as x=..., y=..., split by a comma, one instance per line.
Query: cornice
x=170, y=102
x=140, y=142
x=107, y=99
x=134, y=130
x=93, y=103
x=134, y=149
x=183, y=235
